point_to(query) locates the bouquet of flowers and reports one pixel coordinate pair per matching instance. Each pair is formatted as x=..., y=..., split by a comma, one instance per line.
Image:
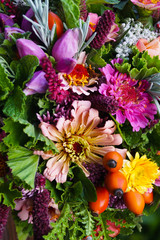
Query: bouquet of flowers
x=79, y=117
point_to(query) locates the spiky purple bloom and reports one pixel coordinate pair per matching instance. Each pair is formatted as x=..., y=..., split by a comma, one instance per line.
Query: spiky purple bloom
x=115, y=202
x=106, y=30
x=97, y=173
x=40, y=214
x=83, y=10
x=103, y=103
x=54, y=83
x=4, y=212
x=134, y=103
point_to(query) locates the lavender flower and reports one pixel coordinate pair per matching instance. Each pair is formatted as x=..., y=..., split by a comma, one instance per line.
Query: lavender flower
x=40, y=214
x=106, y=30
x=4, y=212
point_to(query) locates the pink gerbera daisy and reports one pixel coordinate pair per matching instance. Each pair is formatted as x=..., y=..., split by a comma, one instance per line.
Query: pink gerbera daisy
x=134, y=103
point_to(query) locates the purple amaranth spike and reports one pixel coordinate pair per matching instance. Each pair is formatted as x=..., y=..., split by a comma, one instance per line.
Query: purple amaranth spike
x=83, y=10
x=40, y=214
x=103, y=29
x=4, y=212
x=54, y=83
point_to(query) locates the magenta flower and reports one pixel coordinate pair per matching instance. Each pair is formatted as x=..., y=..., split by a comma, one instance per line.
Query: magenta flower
x=5, y=20
x=10, y=30
x=147, y=4
x=38, y=84
x=134, y=103
x=28, y=47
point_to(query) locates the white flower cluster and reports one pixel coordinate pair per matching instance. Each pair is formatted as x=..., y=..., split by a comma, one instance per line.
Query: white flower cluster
x=134, y=31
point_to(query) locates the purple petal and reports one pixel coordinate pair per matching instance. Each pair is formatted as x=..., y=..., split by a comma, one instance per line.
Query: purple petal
x=66, y=65
x=6, y=20
x=26, y=25
x=28, y=47
x=10, y=30
x=67, y=45
x=38, y=84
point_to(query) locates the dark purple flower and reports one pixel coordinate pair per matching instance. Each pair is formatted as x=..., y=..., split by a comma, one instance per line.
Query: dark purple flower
x=40, y=214
x=97, y=173
x=38, y=84
x=26, y=25
x=28, y=47
x=4, y=212
x=10, y=30
x=115, y=202
x=106, y=30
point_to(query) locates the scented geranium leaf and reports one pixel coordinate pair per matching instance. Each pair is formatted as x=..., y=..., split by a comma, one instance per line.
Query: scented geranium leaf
x=123, y=68
x=23, y=164
x=15, y=135
x=6, y=86
x=71, y=12
x=95, y=58
x=36, y=134
x=9, y=194
x=15, y=104
x=142, y=73
x=24, y=69
x=89, y=191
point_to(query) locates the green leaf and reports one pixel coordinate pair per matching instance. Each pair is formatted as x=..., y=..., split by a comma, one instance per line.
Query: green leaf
x=14, y=106
x=8, y=194
x=24, y=69
x=95, y=58
x=123, y=68
x=71, y=12
x=89, y=191
x=102, y=1
x=23, y=164
x=6, y=67
x=16, y=136
x=55, y=193
x=6, y=85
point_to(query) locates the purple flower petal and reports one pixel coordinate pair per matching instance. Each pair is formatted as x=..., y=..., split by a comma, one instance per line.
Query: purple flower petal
x=5, y=20
x=38, y=84
x=28, y=47
x=10, y=30
x=66, y=65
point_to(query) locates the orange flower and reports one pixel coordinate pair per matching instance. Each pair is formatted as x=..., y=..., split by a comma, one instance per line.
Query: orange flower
x=153, y=47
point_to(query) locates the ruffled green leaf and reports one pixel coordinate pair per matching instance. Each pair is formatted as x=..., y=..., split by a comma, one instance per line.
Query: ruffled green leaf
x=9, y=194
x=15, y=136
x=6, y=86
x=71, y=12
x=24, y=69
x=15, y=104
x=23, y=164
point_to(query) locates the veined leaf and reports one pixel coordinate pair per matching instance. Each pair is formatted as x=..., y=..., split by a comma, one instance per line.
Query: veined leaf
x=6, y=86
x=23, y=164
x=71, y=11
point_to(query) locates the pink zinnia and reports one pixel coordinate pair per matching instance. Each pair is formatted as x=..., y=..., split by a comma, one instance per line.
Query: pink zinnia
x=134, y=103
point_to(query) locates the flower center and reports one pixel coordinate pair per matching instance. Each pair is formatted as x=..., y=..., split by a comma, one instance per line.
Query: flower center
x=78, y=77
x=149, y=1
x=92, y=26
x=128, y=93
x=76, y=148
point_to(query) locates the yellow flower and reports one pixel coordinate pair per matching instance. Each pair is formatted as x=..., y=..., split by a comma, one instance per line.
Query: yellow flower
x=140, y=172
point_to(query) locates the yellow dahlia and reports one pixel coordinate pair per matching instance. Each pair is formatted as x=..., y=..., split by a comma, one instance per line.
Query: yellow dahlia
x=140, y=172
x=78, y=140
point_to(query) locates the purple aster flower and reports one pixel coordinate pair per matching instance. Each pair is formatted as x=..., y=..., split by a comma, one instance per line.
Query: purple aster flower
x=106, y=30
x=4, y=212
x=40, y=214
x=37, y=84
x=134, y=103
x=28, y=47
